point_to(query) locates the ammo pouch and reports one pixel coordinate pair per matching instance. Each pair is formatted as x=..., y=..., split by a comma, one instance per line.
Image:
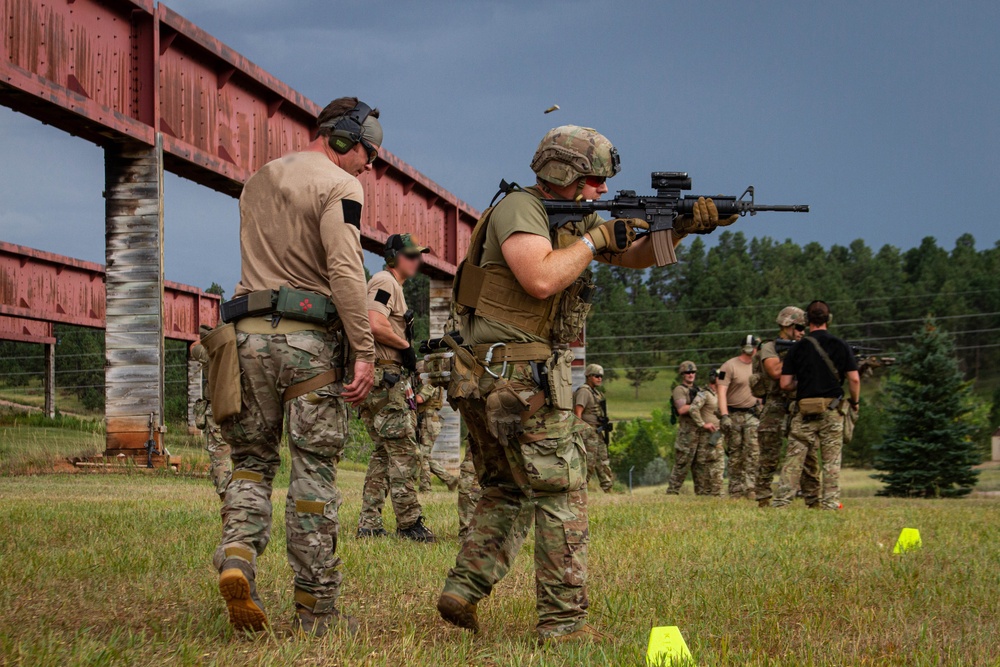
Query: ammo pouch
x=560, y=375
x=465, y=372
x=224, y=388
x=574, y=306
x=813, y=406
x=294, y=304
x=437, y=369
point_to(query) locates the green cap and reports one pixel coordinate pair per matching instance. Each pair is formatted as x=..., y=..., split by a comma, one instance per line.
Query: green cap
x=404, y=244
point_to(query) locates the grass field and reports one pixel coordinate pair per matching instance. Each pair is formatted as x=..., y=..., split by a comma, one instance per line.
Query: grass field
x=115, y=569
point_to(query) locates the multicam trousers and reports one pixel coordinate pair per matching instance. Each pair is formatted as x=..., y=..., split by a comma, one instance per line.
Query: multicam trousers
x=742, y=447
x=469, y=492
x=708, y=465
x=392, y=425
x=317, y=429
x=823, y=433
x=685, y=446
x=542, y=470
x=598, y=461
x=430, y=429
x=773, y=423
x=220, y=466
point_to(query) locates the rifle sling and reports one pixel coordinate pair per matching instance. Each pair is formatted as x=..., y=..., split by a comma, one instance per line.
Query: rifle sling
x=826, y=358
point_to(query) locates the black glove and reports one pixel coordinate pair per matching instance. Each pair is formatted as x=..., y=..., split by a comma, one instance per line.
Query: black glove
x=409, y=359
x=408, y=320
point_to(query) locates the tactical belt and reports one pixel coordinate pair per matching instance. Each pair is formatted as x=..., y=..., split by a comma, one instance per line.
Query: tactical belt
x=388, y=362
x=513, y=352
x=265, y=325
x=750, y=409
x=285, y=302
x=312, y=384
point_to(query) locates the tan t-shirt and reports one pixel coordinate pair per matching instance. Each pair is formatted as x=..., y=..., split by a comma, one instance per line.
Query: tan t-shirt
x=300, y=226
x=385, y=295
x=591, y=405
x=705, y=408
x=681, y=396
x=518, y=212
x=737, y=383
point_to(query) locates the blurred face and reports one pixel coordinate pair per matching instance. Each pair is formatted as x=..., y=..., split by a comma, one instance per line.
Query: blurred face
x=689, y=376
x=408, y=265
x=595, y=380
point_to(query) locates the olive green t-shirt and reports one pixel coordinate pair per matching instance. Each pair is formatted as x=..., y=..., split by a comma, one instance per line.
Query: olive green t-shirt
x=737, y=383
x=385, y=295
x=585, y=397
x=518, y=212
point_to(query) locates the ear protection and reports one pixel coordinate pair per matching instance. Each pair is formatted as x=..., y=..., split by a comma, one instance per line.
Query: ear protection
x=346, y=131
x=393, y=245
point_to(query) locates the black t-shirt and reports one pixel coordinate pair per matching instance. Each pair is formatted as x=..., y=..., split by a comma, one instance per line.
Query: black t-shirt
x=815, y=380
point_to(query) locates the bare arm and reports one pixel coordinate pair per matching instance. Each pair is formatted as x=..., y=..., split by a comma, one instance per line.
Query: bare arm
x=772, y=366
x=854, y=385
x=383, y=332
x=789, y=383
x=539, y=269
x=578, y=411
x=683, y=410
x=722, y=390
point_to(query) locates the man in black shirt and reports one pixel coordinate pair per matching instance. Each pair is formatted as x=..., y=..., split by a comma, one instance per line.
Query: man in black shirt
x=815, y=369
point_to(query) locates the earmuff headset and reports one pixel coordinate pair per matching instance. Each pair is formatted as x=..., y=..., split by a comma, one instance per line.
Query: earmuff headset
x=346, y=131
x=393, y=245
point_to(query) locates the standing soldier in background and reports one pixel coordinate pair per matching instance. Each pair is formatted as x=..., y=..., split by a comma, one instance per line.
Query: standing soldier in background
x=511, y=381
x=590, y=405
x=774, y=414
x=738, y=419
x=686, y=441
x=815, y=369
x=429, y=401
x=220, y=466
x=389, y=413
x=301, y=258
x=709, y=462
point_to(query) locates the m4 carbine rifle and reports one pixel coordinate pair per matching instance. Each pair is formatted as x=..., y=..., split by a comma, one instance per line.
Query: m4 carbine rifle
x=659, y=210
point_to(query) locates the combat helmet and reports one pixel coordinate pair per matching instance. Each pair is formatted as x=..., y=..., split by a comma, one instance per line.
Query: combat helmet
x=569, y=152
x=594, y=369
x=790, y=315
x=687, y=366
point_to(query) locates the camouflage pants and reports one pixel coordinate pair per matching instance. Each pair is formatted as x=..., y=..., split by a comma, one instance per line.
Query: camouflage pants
x=317, y=429
x=823, y=433
x=598, y=461
x=542, y=471
x=220, y=466
x=742, y=447
x=395, y=460
x=685, y=446
x=773, y=422
x=430, y=429
x=708, y=465
x=468, y=492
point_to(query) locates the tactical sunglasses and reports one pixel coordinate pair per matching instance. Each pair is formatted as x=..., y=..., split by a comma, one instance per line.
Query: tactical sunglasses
x=597, y=376
x=372, y=151
x=690, y=373
x=595, y=181
x=800, y=327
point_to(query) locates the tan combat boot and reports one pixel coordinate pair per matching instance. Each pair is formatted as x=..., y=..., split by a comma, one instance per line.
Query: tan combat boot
x=458, y=612
x=239, y=590
x=587, y=633
x=316, y=624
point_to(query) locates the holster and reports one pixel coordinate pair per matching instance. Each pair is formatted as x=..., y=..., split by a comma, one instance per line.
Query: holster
x=560, y=373
x=224, y=388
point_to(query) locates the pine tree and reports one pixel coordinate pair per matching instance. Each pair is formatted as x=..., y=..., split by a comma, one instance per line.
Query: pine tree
x=928, y=451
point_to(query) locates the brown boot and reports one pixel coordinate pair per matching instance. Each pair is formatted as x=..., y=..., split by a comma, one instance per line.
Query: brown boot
x=763, y=502
x=587, y=633
x=236, y=583
x=458, y=612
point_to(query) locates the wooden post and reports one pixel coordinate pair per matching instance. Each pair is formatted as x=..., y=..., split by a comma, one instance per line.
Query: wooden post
x=50, y=380
x=448, y=448
x=133, y=375
x=194, y=392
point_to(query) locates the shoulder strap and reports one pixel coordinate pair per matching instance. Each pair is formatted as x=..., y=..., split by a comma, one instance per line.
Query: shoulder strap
x=826, y=358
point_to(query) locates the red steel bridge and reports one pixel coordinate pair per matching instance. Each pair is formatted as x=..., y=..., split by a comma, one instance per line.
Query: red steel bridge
x=157, y=92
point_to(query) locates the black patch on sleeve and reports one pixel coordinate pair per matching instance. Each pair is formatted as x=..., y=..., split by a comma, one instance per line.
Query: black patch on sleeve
x=352, y=212
x=382, y=297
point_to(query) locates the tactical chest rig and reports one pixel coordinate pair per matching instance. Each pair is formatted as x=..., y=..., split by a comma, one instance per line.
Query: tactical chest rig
x=495, y=294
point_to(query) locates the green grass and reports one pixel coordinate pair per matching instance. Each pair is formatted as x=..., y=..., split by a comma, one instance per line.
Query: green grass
x=622, y=403
x=115, y=569
x=31, y=394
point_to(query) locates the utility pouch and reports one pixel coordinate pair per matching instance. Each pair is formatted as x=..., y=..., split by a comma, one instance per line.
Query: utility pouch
x=560, y=371
x=574, y=306
x=437, y=369
x=224, y=389
x=390, y=379
x=465, y=373
x=304, y=306
x=813, y=406
x=504, y=407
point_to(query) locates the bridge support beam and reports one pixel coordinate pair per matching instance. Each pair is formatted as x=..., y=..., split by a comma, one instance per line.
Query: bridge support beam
x=133, y=374
x=447, y=449
x=49, y=382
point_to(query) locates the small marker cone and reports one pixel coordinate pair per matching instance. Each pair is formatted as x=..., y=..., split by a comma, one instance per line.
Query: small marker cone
x=667, y=648
x=909, y=539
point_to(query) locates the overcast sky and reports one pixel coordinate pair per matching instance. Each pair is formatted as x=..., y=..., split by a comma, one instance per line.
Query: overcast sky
x=883, y=116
